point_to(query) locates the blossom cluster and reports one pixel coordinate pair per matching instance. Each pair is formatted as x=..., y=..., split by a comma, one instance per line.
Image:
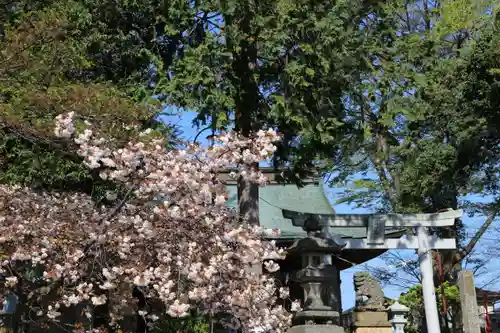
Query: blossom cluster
x=171, y=236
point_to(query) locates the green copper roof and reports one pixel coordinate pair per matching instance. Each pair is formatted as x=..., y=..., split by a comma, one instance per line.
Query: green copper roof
x=308, y=199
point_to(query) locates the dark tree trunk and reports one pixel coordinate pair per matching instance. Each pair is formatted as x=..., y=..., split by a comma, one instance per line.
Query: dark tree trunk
x=246, y=109
x=18, y=318
x=141, y=323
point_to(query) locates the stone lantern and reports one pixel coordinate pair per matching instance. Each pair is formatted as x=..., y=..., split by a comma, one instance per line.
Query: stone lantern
x=398, y=314
x=320, y=280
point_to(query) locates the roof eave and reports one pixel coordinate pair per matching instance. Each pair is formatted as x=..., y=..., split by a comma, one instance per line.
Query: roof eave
x=275, y=176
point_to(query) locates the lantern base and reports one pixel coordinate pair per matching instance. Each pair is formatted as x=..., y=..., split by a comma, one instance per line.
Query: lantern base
x=316, y=329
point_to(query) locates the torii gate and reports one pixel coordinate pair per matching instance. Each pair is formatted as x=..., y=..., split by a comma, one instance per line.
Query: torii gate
x=375, y=225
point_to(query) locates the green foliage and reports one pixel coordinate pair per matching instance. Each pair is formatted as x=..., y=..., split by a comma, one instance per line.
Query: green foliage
x=413, y=299
x=428, y=108
x=27, y=164
x=282, y=64
x=191, y=324
x=48, y=67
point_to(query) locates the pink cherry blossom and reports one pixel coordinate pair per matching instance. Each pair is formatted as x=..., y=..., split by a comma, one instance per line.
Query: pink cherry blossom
x=171, y=236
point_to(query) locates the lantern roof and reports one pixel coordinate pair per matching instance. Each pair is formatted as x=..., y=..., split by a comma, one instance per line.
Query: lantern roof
x=398, y=307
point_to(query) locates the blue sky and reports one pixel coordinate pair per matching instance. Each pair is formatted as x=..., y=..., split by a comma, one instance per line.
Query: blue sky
x=486, y=247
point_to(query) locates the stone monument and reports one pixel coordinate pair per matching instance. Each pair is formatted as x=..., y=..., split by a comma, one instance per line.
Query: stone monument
x=371, y=315
x=468, y=301
x=320, y=280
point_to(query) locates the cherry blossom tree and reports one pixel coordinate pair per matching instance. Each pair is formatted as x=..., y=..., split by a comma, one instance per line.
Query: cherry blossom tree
x=171, y=238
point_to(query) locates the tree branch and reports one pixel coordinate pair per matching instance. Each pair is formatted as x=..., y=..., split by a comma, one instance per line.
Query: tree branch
x=41, y=142
x=468, y=249
x=56, y=284
x=379, y=158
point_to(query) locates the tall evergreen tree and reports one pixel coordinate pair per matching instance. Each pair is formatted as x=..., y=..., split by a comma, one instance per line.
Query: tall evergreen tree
x=282, y=64
x=427, y=117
